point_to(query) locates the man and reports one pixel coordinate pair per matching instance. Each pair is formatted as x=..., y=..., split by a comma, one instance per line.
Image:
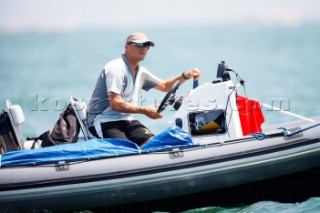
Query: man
x=117, y=90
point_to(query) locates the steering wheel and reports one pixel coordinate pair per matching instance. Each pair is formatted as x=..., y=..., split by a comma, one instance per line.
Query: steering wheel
x=169, y=98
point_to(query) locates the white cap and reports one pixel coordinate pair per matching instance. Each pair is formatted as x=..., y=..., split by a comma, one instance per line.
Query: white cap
x=139, y=38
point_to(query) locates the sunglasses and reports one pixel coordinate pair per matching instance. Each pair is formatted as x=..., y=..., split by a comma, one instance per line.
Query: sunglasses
x=140, y=45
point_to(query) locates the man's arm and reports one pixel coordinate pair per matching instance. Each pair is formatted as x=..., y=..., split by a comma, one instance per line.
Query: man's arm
x=118, y=104
x=165, y=85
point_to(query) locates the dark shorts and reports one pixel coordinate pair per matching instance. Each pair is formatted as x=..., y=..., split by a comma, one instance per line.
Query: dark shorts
x=129, y=130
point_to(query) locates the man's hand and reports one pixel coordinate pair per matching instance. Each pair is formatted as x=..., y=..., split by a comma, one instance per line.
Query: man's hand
x=194, y=73
x=151, y=111
x=118, y=104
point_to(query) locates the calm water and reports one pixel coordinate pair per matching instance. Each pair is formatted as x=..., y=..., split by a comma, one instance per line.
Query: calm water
x=40, y=70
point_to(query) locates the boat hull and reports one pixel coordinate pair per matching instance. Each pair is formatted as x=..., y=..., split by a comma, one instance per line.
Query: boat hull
x=181, y=173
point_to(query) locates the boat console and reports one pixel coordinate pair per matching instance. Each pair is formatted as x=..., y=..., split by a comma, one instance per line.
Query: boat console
x=209, y=110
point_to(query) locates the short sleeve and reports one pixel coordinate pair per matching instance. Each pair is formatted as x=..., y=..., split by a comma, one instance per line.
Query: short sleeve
x=150, y=80
x=115, y=81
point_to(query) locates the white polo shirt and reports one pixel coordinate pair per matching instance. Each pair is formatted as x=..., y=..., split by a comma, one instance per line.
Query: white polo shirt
x=117, y=77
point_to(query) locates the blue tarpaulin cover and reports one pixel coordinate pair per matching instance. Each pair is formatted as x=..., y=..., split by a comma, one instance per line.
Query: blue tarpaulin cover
x=172, y=137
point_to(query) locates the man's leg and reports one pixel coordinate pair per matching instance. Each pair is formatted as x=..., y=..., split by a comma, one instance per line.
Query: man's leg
x=138, y=133
x=113, y=130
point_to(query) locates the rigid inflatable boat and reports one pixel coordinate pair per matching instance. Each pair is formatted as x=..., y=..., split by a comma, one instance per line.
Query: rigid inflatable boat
x=216, y=142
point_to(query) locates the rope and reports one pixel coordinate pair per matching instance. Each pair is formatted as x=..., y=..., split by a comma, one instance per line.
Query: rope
x=289, y=134
x=259, y=135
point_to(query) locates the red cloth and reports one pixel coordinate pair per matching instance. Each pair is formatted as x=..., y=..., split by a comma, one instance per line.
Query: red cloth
x=251, y=116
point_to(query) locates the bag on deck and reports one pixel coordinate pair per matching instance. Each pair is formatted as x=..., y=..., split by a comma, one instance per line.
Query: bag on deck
x=8, y=142
x=66, y=129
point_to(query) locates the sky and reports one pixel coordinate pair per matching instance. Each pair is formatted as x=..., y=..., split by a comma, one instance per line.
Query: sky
x=64, y=15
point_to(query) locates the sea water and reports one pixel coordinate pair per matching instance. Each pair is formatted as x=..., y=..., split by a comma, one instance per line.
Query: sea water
x=311, y=205
x=280, y=66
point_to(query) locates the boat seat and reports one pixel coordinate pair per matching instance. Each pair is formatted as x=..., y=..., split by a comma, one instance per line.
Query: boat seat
x=80, y=109
x=17, y=118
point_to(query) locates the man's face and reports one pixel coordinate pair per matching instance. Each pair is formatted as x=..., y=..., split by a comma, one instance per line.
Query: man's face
x=137, y=52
